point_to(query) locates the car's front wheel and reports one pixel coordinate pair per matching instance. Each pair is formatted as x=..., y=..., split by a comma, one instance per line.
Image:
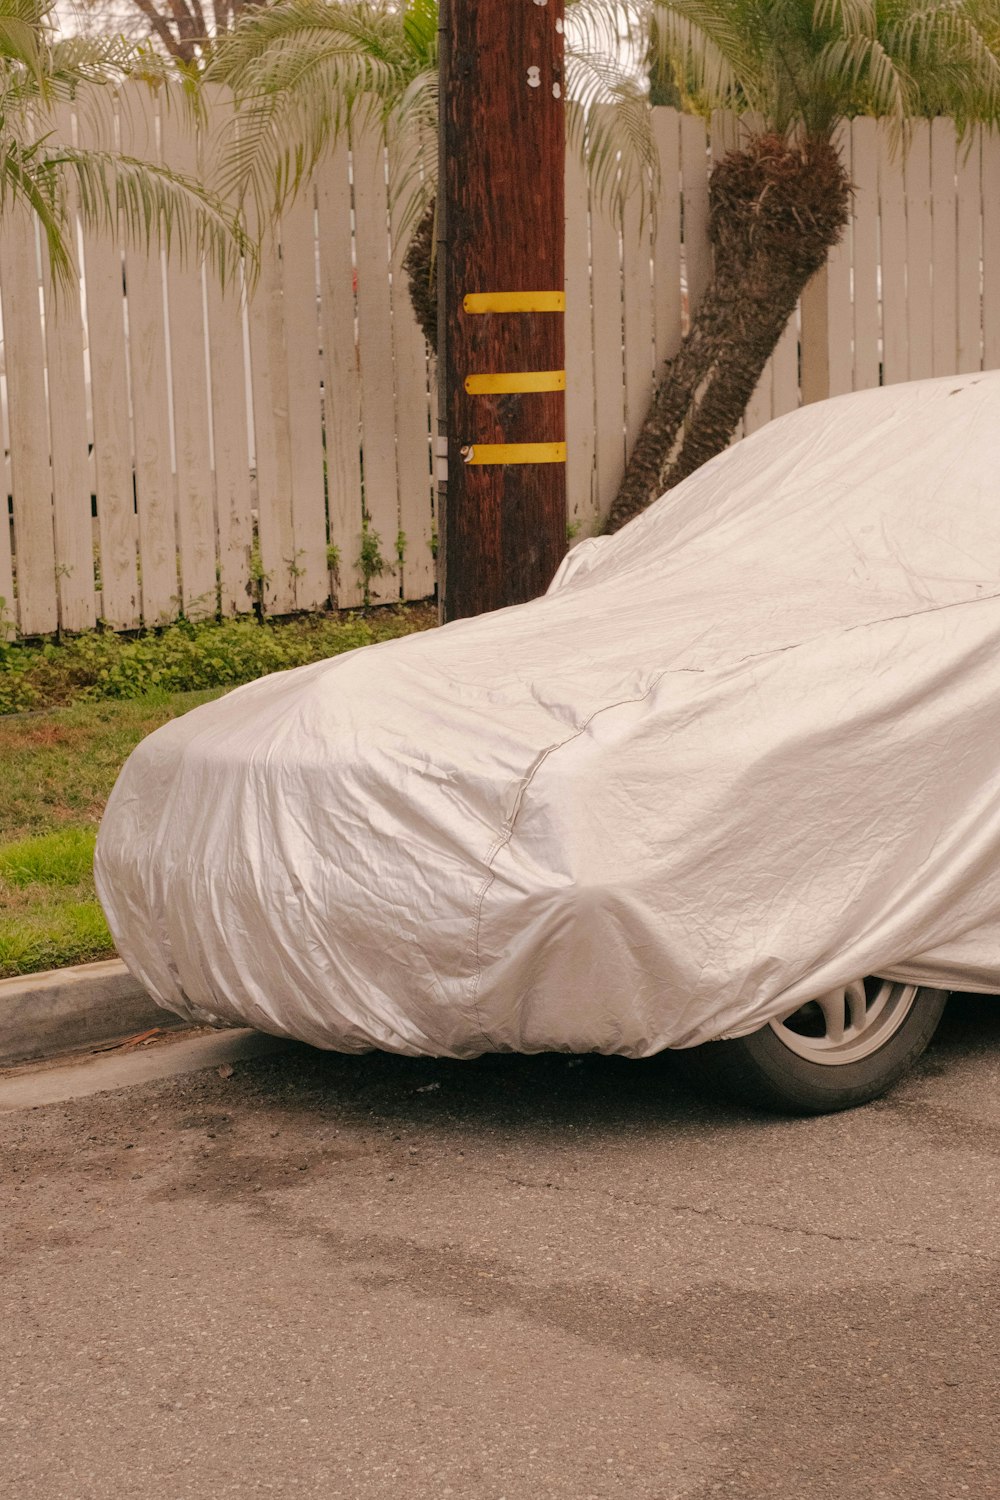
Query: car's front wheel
x=842, y=1049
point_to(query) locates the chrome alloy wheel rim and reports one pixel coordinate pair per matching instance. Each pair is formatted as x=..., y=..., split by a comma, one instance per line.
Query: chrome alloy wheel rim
x=846, y=1024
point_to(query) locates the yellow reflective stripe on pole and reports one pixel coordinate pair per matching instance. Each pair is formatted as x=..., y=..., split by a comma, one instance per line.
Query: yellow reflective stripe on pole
x=516, y=380
x=488, y=302
x=515, y=453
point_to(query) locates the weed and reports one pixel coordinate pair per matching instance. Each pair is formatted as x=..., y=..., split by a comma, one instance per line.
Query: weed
x=370, y=562
x=260, y=579
x=188, y=655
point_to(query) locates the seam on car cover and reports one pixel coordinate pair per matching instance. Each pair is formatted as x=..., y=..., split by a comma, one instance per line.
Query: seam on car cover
x=507, y=831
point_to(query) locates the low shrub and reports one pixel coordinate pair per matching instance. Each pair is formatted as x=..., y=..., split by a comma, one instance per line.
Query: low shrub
x=187, y=656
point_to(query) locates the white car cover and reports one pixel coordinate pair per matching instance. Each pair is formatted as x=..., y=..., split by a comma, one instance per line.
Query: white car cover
x=744, y=751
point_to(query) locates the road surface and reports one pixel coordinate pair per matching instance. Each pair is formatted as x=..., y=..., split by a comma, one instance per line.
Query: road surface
x=374, y=1277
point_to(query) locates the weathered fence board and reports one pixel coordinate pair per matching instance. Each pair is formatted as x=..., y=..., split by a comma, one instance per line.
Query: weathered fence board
x=310, y=583
x=243, y=445
x=116, y=563
x=919, y=305
x=272, y=457
x=416, y=559
x=865, y=253
x=230, y=446
x=378, y=416
x=69, y=439
x=31, y=479
x=637, y=315
x=583, y=511
x=189, y=383
x=341, y=374
x=944, y=248
x=990, y=192
x=607, y=352
x=694, y=200
x=969, y=202
x=667, y=298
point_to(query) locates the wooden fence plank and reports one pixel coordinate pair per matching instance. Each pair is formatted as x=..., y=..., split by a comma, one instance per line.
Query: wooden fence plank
x=919, y=306
x=31, y=477
x=230, y=445
x=785, y=365
x=864, y=246
x=892, y=218
x=667, y=243
x=103, y=267
x=341, y=374
x=228, y=379
x=68, y=439
x=8, y=604
x=816, y=330
x=582, y=507
x=272, y=456
x=694, y=178
x=413, y=434
x=944, y=248
x=375, y=332
x=154, y=478
x=839, y=290
x=827, y=312
x=970, y=307
x=609, y=382
x=760, y=408
x=758, y=412
x=990, y=188
x=196, y=535
x=724, y=133
x=724, y=136
x=310, y=577
x=637, y=318
x=147, y=345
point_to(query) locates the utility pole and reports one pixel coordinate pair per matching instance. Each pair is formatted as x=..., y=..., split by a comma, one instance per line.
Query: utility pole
x=502, y=523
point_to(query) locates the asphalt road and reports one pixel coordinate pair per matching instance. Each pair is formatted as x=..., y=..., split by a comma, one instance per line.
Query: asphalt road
x=523, y=1277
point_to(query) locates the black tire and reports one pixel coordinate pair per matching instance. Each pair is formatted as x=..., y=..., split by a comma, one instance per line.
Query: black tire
x=761, y=1069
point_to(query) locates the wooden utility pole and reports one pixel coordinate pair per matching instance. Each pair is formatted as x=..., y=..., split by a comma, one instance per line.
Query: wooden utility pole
x=501, y=191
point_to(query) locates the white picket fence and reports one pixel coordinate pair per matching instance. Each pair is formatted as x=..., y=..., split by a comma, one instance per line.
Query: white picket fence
x=171, y=450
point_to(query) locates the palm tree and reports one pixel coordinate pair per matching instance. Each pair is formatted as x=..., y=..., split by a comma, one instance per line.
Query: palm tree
x=301, y=71
x=780, y=204
x=141, y=200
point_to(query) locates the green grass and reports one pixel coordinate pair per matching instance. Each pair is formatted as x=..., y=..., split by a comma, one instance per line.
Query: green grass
x=57, y=766
x=187, y=656
x=58, y=769
x=50, y=914
x=61, y=859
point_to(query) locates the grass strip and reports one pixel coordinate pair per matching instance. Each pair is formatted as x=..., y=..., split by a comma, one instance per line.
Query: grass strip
x=187, y=656
x=59, y=764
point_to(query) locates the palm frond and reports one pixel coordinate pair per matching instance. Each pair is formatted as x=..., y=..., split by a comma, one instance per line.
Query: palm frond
x=301, y=71
x=609, y=126
x=807, y=63
x=143, y=203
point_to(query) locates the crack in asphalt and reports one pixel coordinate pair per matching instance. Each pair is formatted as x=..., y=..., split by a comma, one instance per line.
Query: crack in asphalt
x=749, y=1223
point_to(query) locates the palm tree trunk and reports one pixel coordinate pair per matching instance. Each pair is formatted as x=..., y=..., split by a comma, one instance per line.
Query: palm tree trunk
x=776, y=209
x=420, y=265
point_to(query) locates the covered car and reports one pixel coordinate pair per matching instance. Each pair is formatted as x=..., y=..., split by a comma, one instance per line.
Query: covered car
x=740, y=758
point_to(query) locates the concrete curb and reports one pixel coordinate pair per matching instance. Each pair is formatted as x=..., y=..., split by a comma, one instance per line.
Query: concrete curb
x=63, y=1010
